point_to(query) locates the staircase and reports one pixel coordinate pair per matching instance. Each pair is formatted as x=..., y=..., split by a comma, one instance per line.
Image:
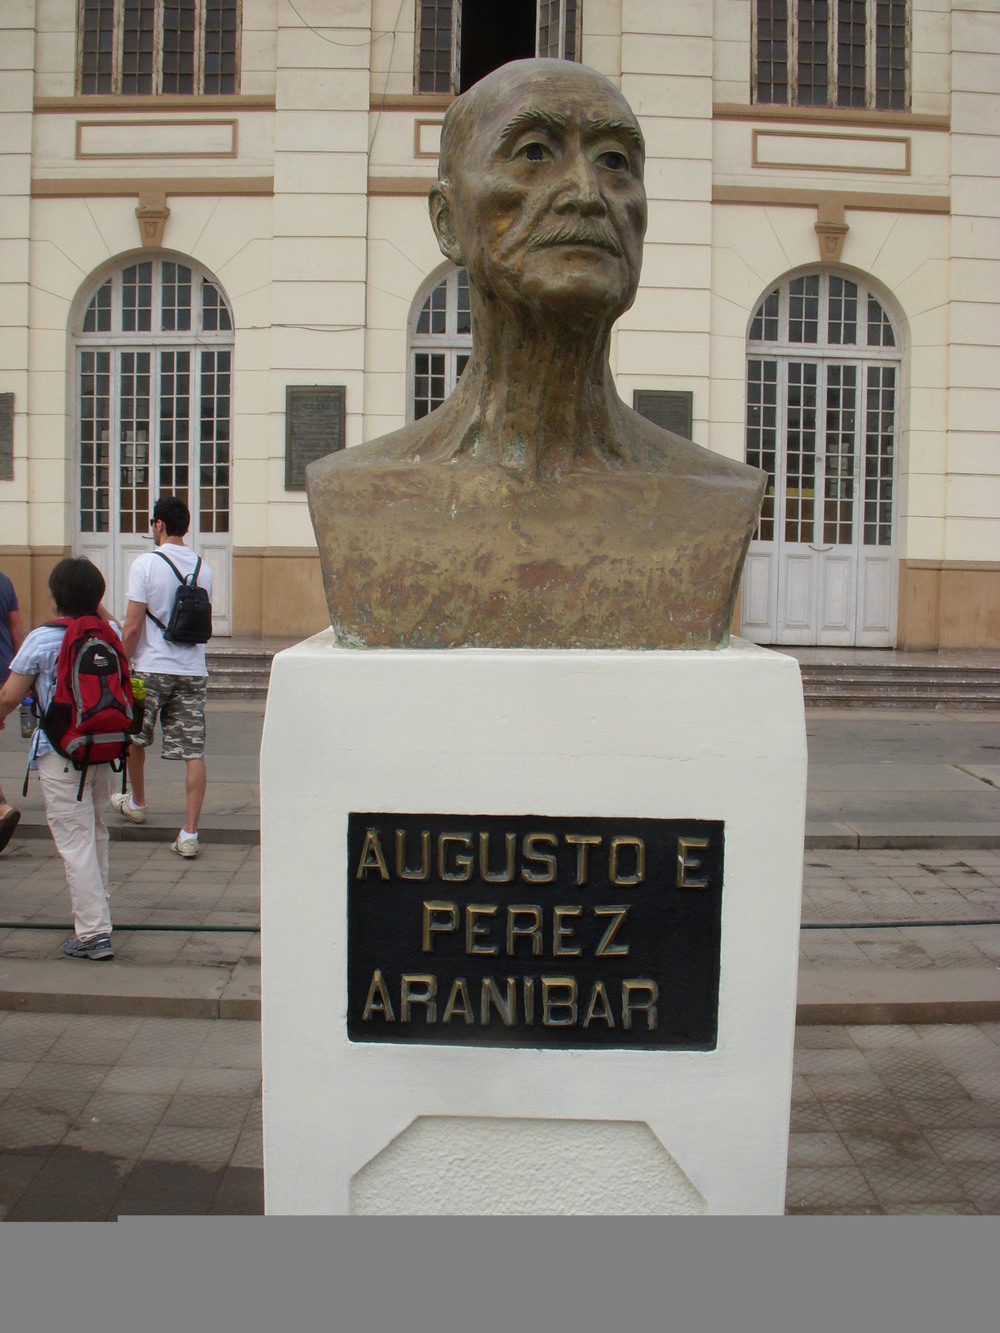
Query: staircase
x=240, y=669
x=901, y=680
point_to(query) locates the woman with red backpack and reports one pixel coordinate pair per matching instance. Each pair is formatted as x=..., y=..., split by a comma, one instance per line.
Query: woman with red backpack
x=74, y=666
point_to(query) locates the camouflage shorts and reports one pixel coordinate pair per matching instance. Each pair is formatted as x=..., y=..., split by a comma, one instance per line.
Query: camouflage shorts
x=179, y=702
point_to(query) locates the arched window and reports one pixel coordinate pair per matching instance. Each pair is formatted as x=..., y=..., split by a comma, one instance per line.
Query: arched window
x=154, y=410
x=822, y=416
x=440, y=341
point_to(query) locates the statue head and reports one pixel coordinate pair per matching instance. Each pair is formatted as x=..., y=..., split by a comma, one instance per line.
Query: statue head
x=540, y=194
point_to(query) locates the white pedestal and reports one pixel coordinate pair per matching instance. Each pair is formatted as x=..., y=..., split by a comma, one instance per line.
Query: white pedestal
x=358, y=1126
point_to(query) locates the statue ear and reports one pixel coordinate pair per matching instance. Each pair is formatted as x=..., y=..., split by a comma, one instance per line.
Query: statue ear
x=440, y=208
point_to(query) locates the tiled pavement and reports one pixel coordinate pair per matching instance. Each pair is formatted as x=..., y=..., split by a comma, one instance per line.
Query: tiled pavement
x=102, y=1117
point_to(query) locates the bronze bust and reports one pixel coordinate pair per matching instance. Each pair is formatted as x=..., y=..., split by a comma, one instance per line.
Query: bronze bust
x=534, y=508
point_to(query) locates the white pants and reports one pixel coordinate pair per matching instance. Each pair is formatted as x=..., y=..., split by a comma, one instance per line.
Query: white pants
x=81, y=836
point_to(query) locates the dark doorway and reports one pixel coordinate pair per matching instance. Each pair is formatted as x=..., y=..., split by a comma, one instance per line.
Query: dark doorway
x=493, y=34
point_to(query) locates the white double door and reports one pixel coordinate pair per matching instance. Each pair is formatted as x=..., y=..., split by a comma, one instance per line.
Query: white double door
x=822, y=569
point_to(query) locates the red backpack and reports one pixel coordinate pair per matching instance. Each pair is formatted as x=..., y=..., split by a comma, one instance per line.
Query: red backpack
x=90, y=714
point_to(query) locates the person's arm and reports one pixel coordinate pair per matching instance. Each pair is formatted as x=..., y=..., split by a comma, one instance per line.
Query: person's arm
x=13, y=691
x=16, y=629
x=135, y=614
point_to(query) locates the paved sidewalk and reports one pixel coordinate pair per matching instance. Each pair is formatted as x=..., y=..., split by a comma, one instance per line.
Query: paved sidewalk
x=105, y=1117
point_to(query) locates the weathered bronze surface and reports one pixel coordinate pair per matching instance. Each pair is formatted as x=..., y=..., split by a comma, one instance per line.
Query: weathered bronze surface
x=483, y=930
x=534, y=508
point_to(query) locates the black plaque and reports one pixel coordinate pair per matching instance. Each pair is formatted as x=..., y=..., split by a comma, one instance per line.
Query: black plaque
x=673, y=409
x=6, y=437
x=315, y=416
x=485, y=930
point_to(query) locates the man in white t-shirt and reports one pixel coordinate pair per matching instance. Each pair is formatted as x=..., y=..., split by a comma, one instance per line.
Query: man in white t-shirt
x=174, y=674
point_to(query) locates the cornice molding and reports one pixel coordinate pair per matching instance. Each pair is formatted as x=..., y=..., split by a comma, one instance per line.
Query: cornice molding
x=153, y=102
x=830, y=115
x=103, y=187
x=412, y=102
x=877, y=201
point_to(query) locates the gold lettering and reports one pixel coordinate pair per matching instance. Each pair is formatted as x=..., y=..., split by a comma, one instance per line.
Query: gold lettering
x=489, y=876
x=378, y=1001
x=604, y=949
x=473, y=930
x=425, y=856
x=463, y=864
x=528, y=849
x=561, y=932
x=506, y=1006
x=372, y=856
x=634, y=987
x=532, y=931
x=597, y=992
x=458, y=1002
x=617, y=844
x=550, y=1002
x=434, y=907
x=582, y=841
x=408, y=996
x=686, y=862
x=529, y=1001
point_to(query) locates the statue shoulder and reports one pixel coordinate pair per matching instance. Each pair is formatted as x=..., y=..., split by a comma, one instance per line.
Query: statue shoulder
x=657, y=449
x=399, y=446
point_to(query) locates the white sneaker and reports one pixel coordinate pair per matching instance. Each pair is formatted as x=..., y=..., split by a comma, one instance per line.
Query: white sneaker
x=122, y=803
x=186, y=847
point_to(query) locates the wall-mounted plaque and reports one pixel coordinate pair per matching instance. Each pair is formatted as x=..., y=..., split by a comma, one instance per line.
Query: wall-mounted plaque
x=6, y=437
x=486, y=930
x=673, y=409
x=315, y=416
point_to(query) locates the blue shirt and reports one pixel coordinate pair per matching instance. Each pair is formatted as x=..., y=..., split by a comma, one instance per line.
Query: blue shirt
x=8, y=603
x=37, y=657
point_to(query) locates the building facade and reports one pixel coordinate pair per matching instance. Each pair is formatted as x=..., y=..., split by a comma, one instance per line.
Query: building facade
x=215, y=263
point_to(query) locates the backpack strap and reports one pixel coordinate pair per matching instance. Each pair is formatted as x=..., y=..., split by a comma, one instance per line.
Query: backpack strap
x=179, y=575
x=180, y=579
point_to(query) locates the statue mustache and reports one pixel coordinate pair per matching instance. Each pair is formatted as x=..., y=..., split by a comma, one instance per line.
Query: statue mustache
x=580, y=232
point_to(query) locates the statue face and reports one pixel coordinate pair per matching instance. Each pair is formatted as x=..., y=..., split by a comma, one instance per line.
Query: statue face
x=546, y=205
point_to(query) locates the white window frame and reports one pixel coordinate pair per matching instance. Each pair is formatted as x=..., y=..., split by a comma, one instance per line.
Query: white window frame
x=113, y=549
x=157, y=72
x=456, y=39
x=451, y=343
x=792, y=70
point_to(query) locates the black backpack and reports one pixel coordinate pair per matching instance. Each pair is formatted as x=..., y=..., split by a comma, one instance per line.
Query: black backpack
x=191, y=617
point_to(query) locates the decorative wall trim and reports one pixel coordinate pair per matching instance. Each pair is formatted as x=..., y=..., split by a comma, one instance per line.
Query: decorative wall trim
x=142, y=126
x=103, y=187
x=803, y=140
x=878, y=201
x=829, y=115
x=956, y=566
x=272, y=552
x=400, y=185
x=419, y=128
x=153, y=103
x=412, y=102
x=152, y=214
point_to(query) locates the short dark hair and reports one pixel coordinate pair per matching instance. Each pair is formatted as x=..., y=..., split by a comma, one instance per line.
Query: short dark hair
x=173, y=513
x=77, y=586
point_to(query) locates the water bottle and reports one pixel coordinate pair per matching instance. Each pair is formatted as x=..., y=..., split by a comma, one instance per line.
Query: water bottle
x=28, y=719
